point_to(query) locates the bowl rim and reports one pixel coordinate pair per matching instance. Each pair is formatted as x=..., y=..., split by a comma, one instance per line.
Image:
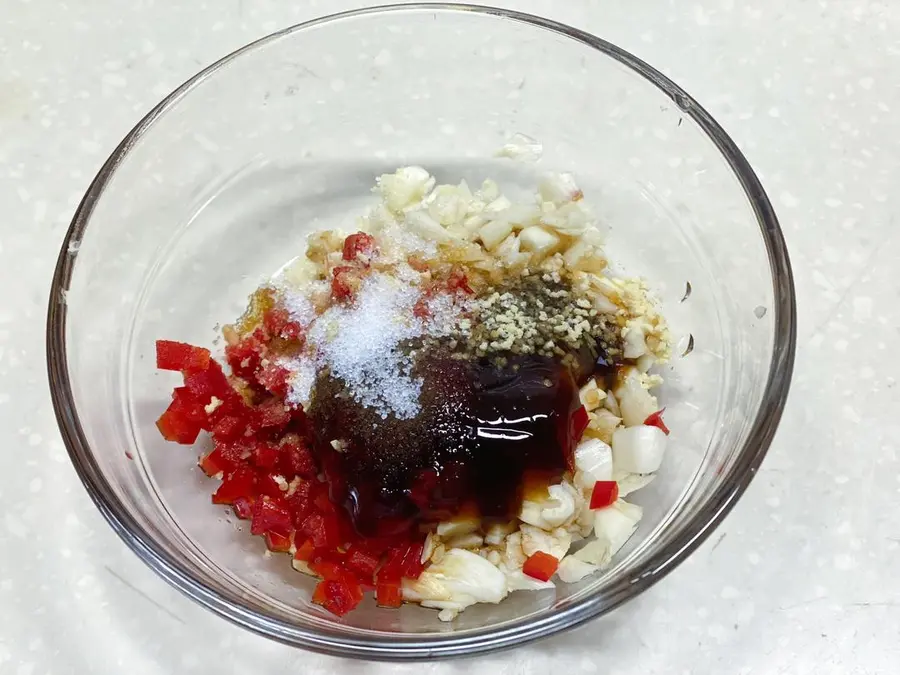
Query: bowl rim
x=413, y=646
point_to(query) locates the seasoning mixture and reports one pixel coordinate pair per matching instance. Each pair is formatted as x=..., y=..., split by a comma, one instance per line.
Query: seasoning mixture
x=445, y=406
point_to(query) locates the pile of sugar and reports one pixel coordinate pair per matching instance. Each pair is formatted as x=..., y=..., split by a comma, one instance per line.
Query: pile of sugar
x=362, y=344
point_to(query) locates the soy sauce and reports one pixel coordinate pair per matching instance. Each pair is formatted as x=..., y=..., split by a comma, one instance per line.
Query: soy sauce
x=481, y=429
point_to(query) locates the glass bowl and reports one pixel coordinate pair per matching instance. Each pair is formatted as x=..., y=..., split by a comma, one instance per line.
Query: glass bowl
x=217, y=187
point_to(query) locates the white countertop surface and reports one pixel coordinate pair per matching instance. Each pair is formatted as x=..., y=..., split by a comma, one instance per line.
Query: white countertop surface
x=804, y=575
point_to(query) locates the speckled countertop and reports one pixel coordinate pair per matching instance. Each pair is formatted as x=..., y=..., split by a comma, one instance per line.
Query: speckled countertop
x=803, y=576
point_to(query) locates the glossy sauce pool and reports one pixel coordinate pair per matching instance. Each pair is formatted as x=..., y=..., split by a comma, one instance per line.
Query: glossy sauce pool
x=482, y=431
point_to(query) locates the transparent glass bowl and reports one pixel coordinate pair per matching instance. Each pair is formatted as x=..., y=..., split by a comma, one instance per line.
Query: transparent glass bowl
x=217, y=187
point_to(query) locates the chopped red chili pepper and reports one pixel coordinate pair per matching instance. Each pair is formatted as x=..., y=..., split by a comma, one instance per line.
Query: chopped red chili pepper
x=324, y=530
x=344, y=282
x=175, y=426
x=244, y=357
x=459, y=281
x=205, y=384
x=326, y=568
x=541, y=566
x=578, y=422
x=243, y=508
x=267, y=485
x=292, y=330
x=656, y=420
x=265, y=455
x=305, y=550
x=228, y=428
x=605, y=493
x=189, y=407
x=412, y=561
x=239, y=483
x=358, y=243
x=273, y=378
x=420, y=309
x=172, y=355
x=274, y=321
x=277, y=542
x=216, y=462
x=299, y=503
x=389, y=593
x=296, y=459
x=272, y=414
x=270, y=516
x=338, y=596
x=319, y=595
x=362, y=561
x=402, y=561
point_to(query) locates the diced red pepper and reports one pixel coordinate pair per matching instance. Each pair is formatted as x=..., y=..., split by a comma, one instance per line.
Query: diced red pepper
x=189, y=407
x=272, y=414
x=389, y=593
x=211, y=382
x=265, y=455
x=172, y=355
x=305, y=551
x=390, y=570
x=292, y=330
x=234, y=454
x=362, y=562
x=404, y=560
x=296, y=459
x=267, y=485
x=338, y=596
x=174, y=427
x=327, y=568
x=228, y=428
x=541, y=566
x=324, y=530
x=344, y=283
x=420, y=309
x=240, y=483
x=319, y=594
x=412, y=562
x=274, y=378
x=299, y=503
x=357, y=243
x=459, y=281
x=656, y=420
x=183, y=419
x=274, y=321
x=321, y=500
x=244, y=357
x=277, y=543
x=216, y=462
x=605, y=493
x=243, y=508
x=270, y=516
x=578, y=422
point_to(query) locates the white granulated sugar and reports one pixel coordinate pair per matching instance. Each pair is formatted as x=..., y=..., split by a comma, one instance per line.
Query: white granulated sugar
x=360, y=344
x=303, y=377
x=399, y=237
x=298, y=306
x=445, y=311
x=407, y=274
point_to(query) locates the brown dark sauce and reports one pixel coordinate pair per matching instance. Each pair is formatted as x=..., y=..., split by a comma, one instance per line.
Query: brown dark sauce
x=482, y=430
